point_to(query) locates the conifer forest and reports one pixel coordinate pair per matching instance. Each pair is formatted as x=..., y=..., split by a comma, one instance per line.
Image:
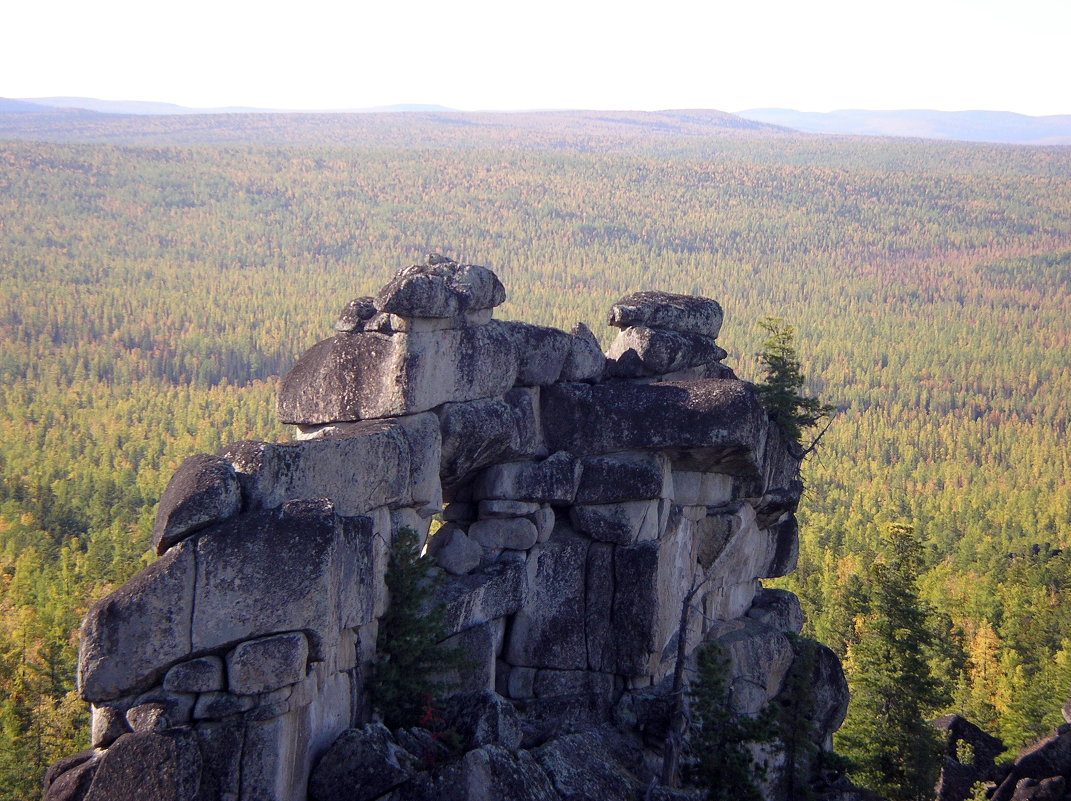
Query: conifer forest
x=159, y=274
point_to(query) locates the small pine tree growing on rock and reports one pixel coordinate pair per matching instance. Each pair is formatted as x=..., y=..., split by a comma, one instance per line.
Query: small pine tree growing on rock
x=409, y=654
x=719, y=760
x=781, y=391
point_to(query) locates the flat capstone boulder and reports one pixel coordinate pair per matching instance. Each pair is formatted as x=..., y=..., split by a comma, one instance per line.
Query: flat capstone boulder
x=687, y=314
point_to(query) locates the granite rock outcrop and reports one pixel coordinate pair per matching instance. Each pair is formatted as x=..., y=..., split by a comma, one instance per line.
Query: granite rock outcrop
x=571, y=498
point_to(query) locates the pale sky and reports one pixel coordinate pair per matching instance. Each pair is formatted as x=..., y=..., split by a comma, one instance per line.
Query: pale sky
x=1012, y=55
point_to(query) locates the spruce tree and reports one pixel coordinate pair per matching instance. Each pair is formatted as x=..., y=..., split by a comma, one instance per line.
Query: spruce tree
x=781, y=391
x=409, y=656
x=719, y=759
x=886, y=735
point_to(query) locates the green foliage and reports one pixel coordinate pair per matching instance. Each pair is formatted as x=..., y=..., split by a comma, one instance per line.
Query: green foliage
x=151, y=286
x=410, y=659
x=794, y=722
x=719, y=759
x=886, y=735
x=781, y=390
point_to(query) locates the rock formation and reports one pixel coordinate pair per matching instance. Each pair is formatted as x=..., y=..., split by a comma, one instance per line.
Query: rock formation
x=580, y=497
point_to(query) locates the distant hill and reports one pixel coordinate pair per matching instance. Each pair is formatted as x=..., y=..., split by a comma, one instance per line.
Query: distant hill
x=424, y=126
x=153, y=108
x=148, y=107
x=971, y=126
x=18, y=106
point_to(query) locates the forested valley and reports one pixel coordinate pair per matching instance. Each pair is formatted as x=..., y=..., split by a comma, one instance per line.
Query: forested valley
x=153, y=292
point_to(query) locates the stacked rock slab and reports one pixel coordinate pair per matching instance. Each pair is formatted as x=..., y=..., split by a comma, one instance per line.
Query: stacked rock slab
x=578, y=497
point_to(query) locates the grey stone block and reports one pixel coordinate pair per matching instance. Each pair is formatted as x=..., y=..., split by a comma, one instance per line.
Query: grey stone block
x=705, y=425
x=108, y=723
x=200, y=675
x=619, y=477
x=514, y=533
x=131, y=636
x=372, y=375
x=552, y=480
x=360, y=467
x=687, y=314
x=495, y=591
x=455, y=551
x=778, y=609
x=641, y=351
x=328, y=568
x=484, y=718
x=507, y=508
x=218, y=705
x=482, y=432
x=619, y=523
x=548, y=631
x=585, y=360
x=361, y=765
x=268, y=663
x=176, y=773
x=204, y=490
x=69, y=779
x=355, y=314
x=444, y=289
x=541, y=352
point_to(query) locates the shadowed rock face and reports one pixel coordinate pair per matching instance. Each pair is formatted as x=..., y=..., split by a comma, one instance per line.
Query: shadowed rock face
x=585, y=495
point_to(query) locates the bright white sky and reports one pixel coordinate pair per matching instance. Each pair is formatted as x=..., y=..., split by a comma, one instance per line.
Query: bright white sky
x=812, y=55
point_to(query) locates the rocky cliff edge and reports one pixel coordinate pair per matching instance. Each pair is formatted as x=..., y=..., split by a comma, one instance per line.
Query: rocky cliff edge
x=577, y=497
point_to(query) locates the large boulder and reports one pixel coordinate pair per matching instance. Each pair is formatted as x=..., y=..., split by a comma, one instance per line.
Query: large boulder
x=650, y=580
x=204, y=490
x=68, y=779
x=479, y=433
x=641, y=351
x=361, y=765
x=778, y=609
x=363, y=466
x=498, y=590
x=541, y=352
x=149, y=766
x=688, y=314
x=619, y=477
x=130, y=637
x=483, y=717
x=440, y=289
x=355, y=314
x=328, y=568
x=703, y=425
x=551, y=480
x=372, y=375
x=582, y=766
x=759, y=658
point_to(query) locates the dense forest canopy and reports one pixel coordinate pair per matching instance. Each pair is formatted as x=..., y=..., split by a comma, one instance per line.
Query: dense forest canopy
x=157, y=279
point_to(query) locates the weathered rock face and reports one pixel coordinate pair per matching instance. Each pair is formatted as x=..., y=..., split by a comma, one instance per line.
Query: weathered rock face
x=584, y=495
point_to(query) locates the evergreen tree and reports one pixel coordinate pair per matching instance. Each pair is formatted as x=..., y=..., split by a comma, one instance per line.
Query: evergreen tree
x=780, y=391
x=886, y=734
x=719, y=758
x=409, y=657
x=794, y=718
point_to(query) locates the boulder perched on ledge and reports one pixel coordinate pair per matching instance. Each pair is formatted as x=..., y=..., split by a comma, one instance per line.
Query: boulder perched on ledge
x=687, y=314
x=582, y=497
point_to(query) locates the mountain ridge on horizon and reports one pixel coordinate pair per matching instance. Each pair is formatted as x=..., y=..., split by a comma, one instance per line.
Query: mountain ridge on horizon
x=970, y=125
